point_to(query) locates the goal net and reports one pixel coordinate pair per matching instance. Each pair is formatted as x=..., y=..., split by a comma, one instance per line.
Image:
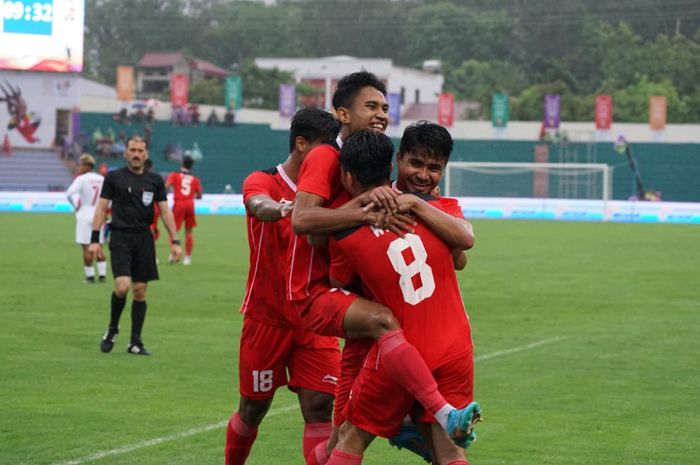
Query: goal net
x=533, y=180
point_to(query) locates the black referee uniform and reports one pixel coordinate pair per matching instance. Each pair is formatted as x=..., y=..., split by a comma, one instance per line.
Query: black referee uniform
x=131, y=244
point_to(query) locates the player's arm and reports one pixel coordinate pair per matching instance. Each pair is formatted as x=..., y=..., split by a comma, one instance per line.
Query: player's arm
x=265, y=208
x=169, y=184
x=97, y=221
x=168, y=220
x=456, y=232
x=198, y=191
x=70, y=193
x=310, y=217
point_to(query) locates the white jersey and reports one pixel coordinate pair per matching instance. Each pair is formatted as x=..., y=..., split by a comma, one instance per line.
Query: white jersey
x=86, y=188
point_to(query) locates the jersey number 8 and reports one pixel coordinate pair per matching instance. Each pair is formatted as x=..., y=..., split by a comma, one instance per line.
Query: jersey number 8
x=407, y=271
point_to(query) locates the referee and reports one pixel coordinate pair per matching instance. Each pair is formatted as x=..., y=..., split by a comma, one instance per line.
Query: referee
x=132, y=191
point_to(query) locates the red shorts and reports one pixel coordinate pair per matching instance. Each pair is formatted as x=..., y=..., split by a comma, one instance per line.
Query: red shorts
x=184, y=212
x=324, y=310
x=267, y=352
x=353, y=357
x=378, y=404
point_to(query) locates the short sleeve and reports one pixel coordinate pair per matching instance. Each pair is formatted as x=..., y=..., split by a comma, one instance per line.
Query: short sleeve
x=258, y=183
x=108, y=186
x=320, y=172
x=450, y=205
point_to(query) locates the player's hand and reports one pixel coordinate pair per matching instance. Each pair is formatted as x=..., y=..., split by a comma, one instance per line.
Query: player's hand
x=383, y=197
x=399, y=223
x=95, y=249
x=406, y=202
x=175, y=252
x=286, y=208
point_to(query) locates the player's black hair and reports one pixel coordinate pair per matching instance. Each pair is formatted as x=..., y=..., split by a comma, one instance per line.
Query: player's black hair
x=351, y=84
x=427, y=139
x=314, y=125
x=367, y=155
x=187, y=162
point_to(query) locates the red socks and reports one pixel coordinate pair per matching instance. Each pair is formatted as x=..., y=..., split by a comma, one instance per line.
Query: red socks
x=319, y=454
x=406, y=366
x=315, y=433
x=189, y=244
x=343, y=458
x=239, y=440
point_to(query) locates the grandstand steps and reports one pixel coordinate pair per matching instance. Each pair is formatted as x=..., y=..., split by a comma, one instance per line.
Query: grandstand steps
x=33, y=170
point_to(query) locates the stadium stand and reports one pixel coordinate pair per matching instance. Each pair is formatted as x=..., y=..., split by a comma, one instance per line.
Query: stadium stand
x=33, y=170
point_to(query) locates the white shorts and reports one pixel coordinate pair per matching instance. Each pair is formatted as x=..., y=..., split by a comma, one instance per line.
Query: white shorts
x=83, y=232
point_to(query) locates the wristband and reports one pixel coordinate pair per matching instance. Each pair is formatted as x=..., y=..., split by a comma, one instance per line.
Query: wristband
x=95, y=236
x=175, y=242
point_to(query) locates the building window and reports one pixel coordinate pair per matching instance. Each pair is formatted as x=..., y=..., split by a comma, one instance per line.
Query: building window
x=403, y=95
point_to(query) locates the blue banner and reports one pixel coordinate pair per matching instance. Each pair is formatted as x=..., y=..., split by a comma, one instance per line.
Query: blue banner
x=394, y=100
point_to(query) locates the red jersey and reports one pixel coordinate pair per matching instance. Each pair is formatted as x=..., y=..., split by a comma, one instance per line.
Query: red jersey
x=307, y=267
x=414, y=276
x=268, y=241
x=186, y=186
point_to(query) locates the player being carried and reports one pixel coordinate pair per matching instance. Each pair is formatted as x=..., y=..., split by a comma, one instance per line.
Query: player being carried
x=413, y=275
x=360, y=103
x=274, y=340
x=186, y=187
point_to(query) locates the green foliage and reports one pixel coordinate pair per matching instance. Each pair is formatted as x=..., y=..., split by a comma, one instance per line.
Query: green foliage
x=591, y=46
x=632, y=103
x=207, y=91
x=261, y=86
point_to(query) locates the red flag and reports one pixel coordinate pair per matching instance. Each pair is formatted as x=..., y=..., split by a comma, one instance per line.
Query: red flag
x=179, y=89
x=446, y=109
x=603, y=112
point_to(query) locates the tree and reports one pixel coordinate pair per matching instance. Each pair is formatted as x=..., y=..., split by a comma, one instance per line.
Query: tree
x=261, y=86
x=207, y=91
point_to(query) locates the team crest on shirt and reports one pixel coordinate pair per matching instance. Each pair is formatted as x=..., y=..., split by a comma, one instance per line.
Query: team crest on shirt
x=147, y=198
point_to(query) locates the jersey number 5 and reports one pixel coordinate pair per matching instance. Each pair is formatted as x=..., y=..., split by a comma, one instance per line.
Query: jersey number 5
x=407, y=271
x=186, y=185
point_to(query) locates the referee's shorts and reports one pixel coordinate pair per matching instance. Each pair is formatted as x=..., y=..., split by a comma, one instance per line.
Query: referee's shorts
x=133, y=254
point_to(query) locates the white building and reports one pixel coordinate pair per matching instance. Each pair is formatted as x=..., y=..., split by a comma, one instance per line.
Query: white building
x=414, y=86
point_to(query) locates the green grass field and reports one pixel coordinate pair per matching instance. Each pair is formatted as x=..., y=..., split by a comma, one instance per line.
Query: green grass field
x=587, y=344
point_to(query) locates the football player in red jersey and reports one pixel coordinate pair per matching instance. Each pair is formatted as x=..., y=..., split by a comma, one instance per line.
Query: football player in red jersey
x=186, y=187
x=413, y=275
x=275, y=347
x=360, y=103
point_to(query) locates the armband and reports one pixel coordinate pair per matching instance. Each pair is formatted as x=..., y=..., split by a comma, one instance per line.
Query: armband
x=95, y=236
x=175, y=242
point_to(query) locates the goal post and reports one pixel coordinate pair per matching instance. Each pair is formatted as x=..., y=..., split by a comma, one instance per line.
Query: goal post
x=533, y=180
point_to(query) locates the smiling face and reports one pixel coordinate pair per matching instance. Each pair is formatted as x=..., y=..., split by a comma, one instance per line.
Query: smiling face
x=418, y=172
x=369, y=109
x=136, y=154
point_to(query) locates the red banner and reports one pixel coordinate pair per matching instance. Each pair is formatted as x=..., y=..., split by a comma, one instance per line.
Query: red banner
x=179, y=88
x=446, y=109
x=603, y=112
x=657, y=113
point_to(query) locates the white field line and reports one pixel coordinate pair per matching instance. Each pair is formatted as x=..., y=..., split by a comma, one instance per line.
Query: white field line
x=222, y=424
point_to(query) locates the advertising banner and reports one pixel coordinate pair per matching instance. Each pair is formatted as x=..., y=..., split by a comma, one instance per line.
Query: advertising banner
x=552, y=109
x=233, y=93
x=657, y=113
x=125, y=83
x=603, y=112
x=499, y=111
x=446, y=109
x=394, y=101
x=288, y=100
x=179, y=90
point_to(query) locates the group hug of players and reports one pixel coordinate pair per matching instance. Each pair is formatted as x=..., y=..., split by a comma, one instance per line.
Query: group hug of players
x=338, y=250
